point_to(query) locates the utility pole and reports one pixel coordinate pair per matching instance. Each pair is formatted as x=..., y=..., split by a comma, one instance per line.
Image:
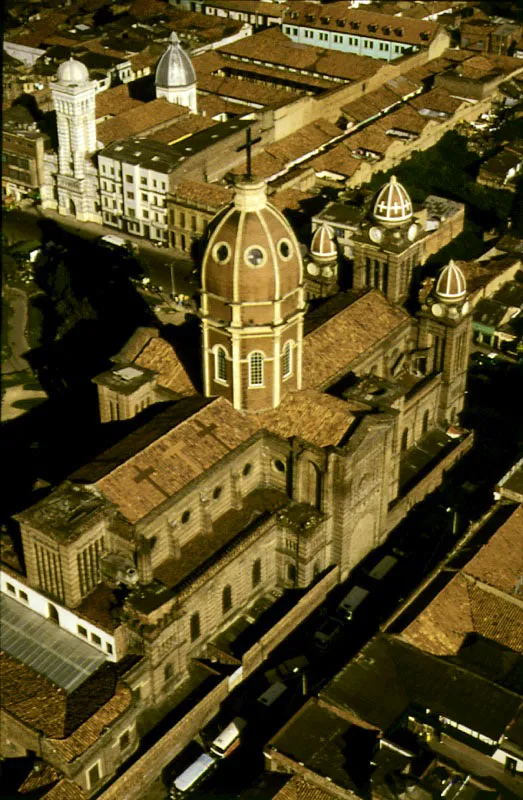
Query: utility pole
x=173, y=288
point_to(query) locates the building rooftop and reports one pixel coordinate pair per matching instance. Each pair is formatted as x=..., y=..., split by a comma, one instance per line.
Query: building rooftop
x=46, y=648
x=329, y=743
x=499, y=563
x=389, y=677
x=67, y=511
x=331, y=348
x=511, y=485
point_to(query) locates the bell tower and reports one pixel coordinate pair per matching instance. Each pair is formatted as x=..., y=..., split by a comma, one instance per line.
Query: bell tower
x=446, y=331
x=252, y=302
x=322, y=267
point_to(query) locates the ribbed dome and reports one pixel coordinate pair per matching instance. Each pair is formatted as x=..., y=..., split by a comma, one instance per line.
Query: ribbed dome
x=252, y=254
x=451, y=286
x=392, y=205
x=174, y=68
x=72, y=72
x=323, y=244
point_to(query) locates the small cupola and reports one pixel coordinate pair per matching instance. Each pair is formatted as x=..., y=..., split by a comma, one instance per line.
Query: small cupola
x=393, y=205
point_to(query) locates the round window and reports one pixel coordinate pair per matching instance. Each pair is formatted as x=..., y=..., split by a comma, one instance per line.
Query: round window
x=279, y=465
x=255, y=257
x=221, y=252
x=285, y=249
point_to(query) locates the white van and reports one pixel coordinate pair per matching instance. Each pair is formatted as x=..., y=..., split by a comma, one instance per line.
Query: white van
x=352, y=601
x=272, y=694
x=112, y=241
x=229, y=739
x=383, y=567
x=192, y=775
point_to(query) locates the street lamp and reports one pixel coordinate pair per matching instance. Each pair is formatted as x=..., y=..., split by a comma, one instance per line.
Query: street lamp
x=454, y=513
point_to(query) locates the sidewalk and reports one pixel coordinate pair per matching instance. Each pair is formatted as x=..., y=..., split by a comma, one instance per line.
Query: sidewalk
x=98, y=229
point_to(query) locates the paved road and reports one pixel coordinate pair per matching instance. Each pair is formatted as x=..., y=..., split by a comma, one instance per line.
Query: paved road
x=166, y=267
x=17, y=324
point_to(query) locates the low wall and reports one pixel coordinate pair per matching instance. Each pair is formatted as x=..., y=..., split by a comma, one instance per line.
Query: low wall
x=428, y=484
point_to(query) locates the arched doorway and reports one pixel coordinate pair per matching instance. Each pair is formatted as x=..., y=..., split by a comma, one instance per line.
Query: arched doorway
x=52, y=613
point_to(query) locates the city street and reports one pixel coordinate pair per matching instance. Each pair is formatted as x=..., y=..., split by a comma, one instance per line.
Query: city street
x=169, y=269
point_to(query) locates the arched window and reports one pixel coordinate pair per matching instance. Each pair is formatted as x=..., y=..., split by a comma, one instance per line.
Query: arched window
x=195, y=627
x=226, y=599
x=256, y=369
x=404, y=439
x=425, y=425
x=287, y=360
x=220, y=365
x=256, y=572
x=53, y=613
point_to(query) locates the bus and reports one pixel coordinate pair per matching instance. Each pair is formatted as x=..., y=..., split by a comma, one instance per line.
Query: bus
x=229, y=738
x=192, y=776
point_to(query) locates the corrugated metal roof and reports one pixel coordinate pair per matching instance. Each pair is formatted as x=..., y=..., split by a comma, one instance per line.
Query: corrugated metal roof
x=46, y=648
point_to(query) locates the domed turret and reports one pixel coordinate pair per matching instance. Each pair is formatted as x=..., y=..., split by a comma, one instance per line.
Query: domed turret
x=72, y=72
x=451, y=286
x=393, y=205
x=323, y=245
x=252, y=302
x=175, y=77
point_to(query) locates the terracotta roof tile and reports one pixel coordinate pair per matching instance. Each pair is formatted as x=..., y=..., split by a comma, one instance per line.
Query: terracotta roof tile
x=407, y=119
x=40, y=776
x=115, y=101
x=299, y=789
x=140, y=120
x=207, y=194
x=331, y=348
x=65, y=790
x=411, y=28
x=437, y=99
x=338, y=160
x=499, y=563
x=373, y=103
x=159, y=356
x=213, y=105
x=89, y=732
x=310, y=415
x=289, y=199
x=170, y=462
x=182, y=128
x=244, y=90
x=134, y=346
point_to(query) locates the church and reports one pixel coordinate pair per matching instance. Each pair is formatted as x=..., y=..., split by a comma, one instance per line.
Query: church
x=290, y=457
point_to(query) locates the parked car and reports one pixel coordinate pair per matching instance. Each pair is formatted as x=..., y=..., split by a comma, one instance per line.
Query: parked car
x=294, y=666
x=327, y=633
x=272, y=694
x=351, y=602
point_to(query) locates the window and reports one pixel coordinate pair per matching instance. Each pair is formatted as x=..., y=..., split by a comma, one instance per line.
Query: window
x=145, y=214
x=130, y=195
x=425, y=426
x=186, y=517
x=247, y=468
x=194, y=226
x=285, y=249
x=221, y=252
x=145, y=197
x=93, y=775
x=291, y=572
x=256, y=572
x=129, y=179
x=96, y=639
x=23, y=596
x=278, y=465
x=287, y=360
x=220, y=365
x=226, y=599
x=109, y=648
x=143, y=181
x=256, y=369
x=10, y=588
x=217, y=492
x=195, y=627
x=182, y=219
x=168, y=673
x=255, y=257
x=125, y=740
x=404, y=439
x=52, y=613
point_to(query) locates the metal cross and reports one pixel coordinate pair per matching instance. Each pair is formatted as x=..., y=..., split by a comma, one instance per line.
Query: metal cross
x=247, y=146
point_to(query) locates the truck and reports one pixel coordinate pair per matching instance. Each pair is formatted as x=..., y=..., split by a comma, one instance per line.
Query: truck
x=229, y=739
x=351, y=602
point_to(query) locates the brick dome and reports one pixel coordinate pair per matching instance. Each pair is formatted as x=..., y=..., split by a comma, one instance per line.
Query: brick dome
x=323, y=244
x=451, y=286
x=393, y=205
x=252, y=254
